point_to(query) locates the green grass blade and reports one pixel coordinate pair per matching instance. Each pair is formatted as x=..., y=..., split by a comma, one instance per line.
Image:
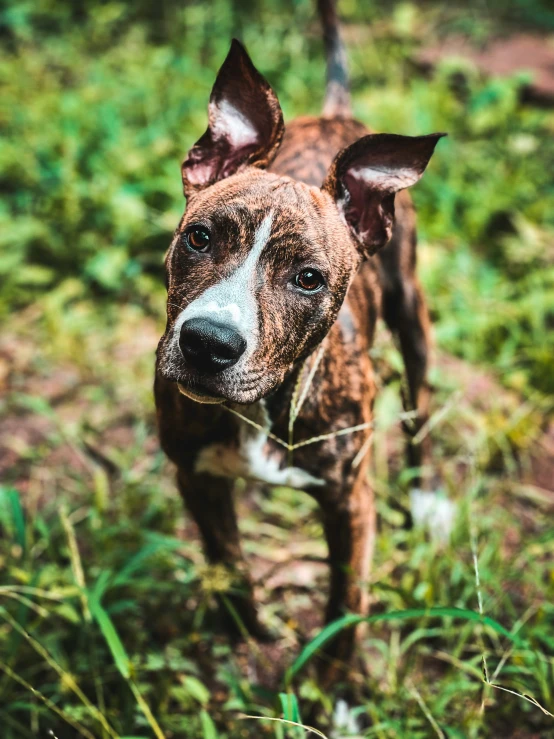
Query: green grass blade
x=291, y=709
x=284, y=722
x=122, y=661
x=352, y=620
x=47, y=702
x=145, y=708
x=67, y=678
x=76, y=563
x=121, y=658
x=208, y=727
x=156, y=544
x=10, y=502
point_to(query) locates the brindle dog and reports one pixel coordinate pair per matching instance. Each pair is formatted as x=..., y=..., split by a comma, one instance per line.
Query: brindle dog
x=287, y=253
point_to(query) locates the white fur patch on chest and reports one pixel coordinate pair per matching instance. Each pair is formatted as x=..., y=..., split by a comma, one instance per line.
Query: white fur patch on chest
x=255, y=458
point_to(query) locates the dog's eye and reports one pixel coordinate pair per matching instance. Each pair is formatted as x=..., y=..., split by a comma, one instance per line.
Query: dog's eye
x=198, y=238
x=310, y=280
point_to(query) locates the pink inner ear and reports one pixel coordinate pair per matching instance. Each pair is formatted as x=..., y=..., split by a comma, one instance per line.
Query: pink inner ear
x=387, y=179
x=368, y=206
x=231, y=124
x=228, y=142
x=199, y=173
x=365, y=177
x=234, y=137
x=369, y=213
x=245, y=124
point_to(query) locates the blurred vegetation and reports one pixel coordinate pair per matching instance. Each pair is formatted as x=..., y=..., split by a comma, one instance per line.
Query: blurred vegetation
x=100, y=104
x=100, y=101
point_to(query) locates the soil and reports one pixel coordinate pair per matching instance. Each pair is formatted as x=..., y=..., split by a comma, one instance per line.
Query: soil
x=503, y=57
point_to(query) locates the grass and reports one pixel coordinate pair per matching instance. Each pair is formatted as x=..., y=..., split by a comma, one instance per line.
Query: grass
x=159, y=630
x=109, y=623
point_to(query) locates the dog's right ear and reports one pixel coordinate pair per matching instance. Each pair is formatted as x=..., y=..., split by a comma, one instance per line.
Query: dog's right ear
x=365, y=177
x=245, y=125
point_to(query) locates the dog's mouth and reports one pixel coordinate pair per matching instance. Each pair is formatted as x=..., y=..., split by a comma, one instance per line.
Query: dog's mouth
x=209, y=392
x=199, y=397
x=235, y=385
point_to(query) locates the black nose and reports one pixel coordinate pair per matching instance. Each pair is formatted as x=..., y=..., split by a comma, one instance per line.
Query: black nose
x=210, y=347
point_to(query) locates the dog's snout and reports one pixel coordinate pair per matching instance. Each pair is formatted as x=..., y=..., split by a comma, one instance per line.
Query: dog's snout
x=209, y=346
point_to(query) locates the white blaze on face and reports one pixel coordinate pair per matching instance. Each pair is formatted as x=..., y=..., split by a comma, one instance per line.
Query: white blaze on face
x=232, y=308
x=233, y=300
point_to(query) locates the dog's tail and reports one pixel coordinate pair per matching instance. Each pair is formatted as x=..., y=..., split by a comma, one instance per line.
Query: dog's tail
x=337, y=94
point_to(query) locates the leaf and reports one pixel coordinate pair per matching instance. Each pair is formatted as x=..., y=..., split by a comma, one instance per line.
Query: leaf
x=66, y=610
x=352, y=620
x=107, y=267
x=196, y=689
x=208, y=727
x=111, y=636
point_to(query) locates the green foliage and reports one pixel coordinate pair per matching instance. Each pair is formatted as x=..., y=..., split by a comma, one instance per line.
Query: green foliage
x=152, y=651
x=351, y=620
x=108, y=613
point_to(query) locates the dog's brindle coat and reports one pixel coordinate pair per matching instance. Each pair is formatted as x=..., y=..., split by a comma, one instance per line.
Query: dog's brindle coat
x=274, y=203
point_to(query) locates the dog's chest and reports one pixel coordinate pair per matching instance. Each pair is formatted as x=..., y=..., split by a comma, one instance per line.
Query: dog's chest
x=255, y=457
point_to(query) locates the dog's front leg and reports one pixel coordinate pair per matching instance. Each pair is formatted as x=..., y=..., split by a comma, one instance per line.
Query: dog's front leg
x=210, y=502
x=349, y=524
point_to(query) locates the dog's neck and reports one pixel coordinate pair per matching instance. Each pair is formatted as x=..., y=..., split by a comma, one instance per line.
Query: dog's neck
x=285, y=400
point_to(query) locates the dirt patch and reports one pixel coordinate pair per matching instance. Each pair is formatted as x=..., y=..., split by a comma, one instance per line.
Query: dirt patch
x=503, y=57
x=29, y=438
x=541, y=473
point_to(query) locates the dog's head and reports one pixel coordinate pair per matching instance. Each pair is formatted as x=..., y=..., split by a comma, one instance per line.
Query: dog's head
x=260, y=264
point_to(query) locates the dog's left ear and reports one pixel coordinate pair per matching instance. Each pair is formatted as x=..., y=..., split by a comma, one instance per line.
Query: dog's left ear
x=364, y=178
x=245, y=124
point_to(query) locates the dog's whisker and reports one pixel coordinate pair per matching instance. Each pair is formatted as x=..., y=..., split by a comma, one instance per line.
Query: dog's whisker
x=180, y=307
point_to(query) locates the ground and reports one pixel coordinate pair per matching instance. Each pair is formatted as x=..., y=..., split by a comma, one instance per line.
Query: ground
x=87, y=431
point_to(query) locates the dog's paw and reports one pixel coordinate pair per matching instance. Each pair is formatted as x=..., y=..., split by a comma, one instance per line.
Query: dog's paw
x=434, y=512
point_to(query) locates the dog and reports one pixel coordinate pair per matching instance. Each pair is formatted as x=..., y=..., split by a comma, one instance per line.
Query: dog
x=294, y=241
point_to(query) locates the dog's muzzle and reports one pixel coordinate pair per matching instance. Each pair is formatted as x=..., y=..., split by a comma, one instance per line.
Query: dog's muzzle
x=210, y=347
